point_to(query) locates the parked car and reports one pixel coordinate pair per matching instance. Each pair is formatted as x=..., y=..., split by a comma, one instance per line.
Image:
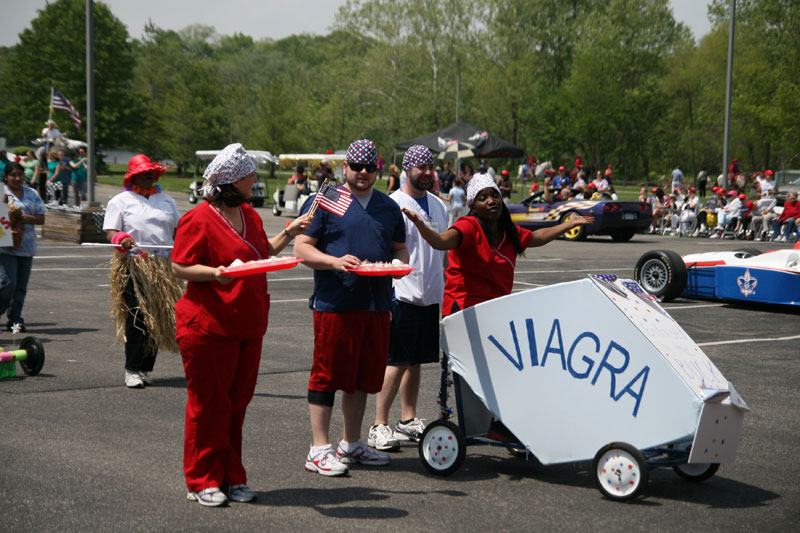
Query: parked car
x=621, y=220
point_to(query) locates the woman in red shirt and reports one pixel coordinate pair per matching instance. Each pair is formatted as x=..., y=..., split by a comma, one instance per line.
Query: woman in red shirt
x=220, y=322
x=484, y=246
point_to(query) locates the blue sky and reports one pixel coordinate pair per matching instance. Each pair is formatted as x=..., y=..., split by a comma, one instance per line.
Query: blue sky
x=272, y=18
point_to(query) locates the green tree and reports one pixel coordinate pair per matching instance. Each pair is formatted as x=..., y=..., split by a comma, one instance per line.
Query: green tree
x=53, y=50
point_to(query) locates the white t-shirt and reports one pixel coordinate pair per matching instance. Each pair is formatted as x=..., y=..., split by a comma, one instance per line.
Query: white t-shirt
x=425, y=285
x=51, y=135
x=148, y=220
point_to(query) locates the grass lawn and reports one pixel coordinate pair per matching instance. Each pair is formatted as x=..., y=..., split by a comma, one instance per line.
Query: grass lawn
x=172, y=182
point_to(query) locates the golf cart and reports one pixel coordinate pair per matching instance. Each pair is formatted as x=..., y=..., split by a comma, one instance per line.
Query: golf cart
x=260, y=157
x=291, y=198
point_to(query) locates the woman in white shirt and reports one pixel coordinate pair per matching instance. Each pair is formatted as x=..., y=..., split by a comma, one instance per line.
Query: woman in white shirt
x=457, y=199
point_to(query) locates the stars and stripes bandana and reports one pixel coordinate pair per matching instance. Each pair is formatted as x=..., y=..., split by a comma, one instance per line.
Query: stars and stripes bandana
x=417, y=156
x=363, y=152
x=334, y=199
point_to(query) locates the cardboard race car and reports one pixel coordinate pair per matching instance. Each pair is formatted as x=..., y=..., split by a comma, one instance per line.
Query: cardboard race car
x=745, y=275
x=621, y=220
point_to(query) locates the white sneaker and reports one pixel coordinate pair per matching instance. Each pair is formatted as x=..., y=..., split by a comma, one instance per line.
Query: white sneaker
x=360, y=453
x=715, y=236
x=323, y=460
x=241, y=494
x=381, y=437
x=210, y=497
x=412, y=429
x=145, y=378
x=133, y=380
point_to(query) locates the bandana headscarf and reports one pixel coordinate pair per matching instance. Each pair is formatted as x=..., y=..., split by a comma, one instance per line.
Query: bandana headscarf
x=363, y=152
x=477, y=184
x=229, y=166
x=417, y=156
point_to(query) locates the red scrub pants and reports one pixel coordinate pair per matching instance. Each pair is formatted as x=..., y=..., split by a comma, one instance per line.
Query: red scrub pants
x=221, y=377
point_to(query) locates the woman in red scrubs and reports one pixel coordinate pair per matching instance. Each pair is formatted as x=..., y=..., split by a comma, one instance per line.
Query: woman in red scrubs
x=484, y=246
x=220, y=322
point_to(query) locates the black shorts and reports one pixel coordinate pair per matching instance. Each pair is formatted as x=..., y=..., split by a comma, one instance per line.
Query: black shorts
x=413, y=334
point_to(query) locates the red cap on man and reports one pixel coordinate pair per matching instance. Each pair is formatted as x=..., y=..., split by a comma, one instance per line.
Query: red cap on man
x=504, y=173
x=561, y=168
x=769, y=173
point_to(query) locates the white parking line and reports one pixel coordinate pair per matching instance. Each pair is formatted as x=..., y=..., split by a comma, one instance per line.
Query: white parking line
x=72, y=257
x=596, y=270
x=692, y=306
x=740, y=341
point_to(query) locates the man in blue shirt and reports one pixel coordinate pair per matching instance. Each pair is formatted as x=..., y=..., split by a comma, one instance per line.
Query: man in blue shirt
x=351, y=312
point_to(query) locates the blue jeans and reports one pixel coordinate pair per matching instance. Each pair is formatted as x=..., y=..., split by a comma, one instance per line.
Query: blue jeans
x=15, y=270
x=776, y=226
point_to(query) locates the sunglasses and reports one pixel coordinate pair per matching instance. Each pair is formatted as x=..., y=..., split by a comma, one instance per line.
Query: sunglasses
x=358, y=167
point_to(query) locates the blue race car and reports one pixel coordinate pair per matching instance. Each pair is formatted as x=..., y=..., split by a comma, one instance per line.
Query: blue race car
x=745, y=275
x=619, y=219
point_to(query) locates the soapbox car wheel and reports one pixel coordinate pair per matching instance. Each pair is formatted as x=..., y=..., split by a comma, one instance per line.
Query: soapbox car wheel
x=696, y=472
x=578, y=233
x=620, y=471
x=442, y=448
x=33, y=364
x=661, y=273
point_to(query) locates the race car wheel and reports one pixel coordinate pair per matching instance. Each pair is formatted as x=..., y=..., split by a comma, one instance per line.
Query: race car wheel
x=696, y=472
x=620, y=471
x=276, y=210
x=442, y=448
x=661, y=273
x=578, y=233
x=622, y=235
x=750, y=252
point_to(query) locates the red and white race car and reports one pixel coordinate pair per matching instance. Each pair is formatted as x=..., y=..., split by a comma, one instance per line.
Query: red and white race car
x=745, y=275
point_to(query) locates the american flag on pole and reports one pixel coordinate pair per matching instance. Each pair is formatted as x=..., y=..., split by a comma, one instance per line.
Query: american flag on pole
x=59, y=101
x=334, y=199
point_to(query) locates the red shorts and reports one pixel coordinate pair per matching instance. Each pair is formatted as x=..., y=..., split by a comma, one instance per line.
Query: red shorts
x=350, y=351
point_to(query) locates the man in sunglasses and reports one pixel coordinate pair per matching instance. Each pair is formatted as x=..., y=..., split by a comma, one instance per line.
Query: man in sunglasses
x=351, y=312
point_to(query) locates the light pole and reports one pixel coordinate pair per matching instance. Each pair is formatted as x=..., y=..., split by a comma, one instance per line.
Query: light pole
x=729, y=86
x=90, y=99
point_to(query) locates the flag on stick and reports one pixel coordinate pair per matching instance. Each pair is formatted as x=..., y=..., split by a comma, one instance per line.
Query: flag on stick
x=59, y=101
x=333, y=199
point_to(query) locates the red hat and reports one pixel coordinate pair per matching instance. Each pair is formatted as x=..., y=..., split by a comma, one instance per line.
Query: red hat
x=731, y=193
x=714, y=189
x=735, y=160
x=561, y=168
x=591, y=185
x=655, y=189
x=742, y=196
x=692, y=189
x=535, y=187
x=139, y=164
x=749, y=204
x=769, y=173
x=676, y=189
x=721, y=191
x=504, y=173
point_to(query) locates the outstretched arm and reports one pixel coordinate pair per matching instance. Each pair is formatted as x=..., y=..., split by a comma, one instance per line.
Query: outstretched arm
x=545, y=235
x=448, y=240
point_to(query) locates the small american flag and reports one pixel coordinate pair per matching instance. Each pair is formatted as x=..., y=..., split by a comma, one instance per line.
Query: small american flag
x=637, y=289
x=334, y=199
x=59, y=101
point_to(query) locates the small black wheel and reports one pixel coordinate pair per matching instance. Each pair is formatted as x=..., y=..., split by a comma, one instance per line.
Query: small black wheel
x=620, y=470
x=622, y=235
x=661, y=273
x=743, y=253
x=33, y=364
x=192, y=198
x=276, y=210
x=442, y=448
x=696, y=472
x=578, y=233
x=257, y=202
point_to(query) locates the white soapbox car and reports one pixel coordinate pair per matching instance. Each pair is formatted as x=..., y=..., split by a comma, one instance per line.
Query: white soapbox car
x=629, y=390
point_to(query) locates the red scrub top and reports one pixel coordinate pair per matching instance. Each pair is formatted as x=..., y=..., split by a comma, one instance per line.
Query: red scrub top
x=477, y=271
x=239, y=309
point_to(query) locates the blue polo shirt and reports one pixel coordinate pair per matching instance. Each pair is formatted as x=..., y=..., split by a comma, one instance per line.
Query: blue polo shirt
x=365, y=233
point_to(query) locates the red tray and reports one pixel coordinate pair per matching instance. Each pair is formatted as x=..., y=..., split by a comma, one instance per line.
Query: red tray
x=381, y=271
x=248, y=269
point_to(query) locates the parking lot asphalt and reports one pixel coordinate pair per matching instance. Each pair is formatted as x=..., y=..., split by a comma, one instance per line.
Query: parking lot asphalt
x=83, y=452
